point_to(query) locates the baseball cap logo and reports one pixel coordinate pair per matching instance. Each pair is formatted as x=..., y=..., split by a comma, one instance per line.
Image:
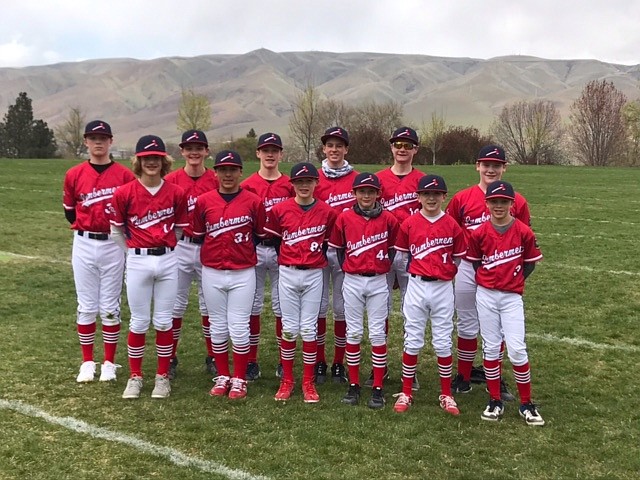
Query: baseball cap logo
x=405, y=133
x=368, y=179
x=152, y=144
x=193, y=136
x=304, y=169
x=228, y=157
x=499, y=188
x=270, y=137
x=495, y=151
x=434, y=183
x=337, y=131
x=100, y=126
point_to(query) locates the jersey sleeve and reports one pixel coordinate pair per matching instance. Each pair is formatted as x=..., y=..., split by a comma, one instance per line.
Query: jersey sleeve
x=453, y=210
x=118, y=209
x=331, y=223
x=197, y=219
x=532, y=252
x=402, y=237
x=473, y=247
x=394, y=227
x=522, y=212
x=68, y=192
x=182, y=211
x=272, y=222
x=459, y=242
x=336, y=239
x=260, y=219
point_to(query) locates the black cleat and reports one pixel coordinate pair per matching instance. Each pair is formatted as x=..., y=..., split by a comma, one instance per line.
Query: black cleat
x=377, y=399
x=253, y=372
x=505, y=394
x=320, y=373
x=458, y=385
x=353, y=395
x=338, y=373
x=279, y=371
x=415, y=386
x=173, y=369
x=210, y=365
x=369, y=381
x=477, y=375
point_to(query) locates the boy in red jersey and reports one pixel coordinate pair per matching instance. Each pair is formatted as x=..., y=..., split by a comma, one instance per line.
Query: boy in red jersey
x=149, y=215
x=434, y=243
x=503, y=252
x=334, y=188
x=304, y=225
x=399, y=186
x=469, y=209
x=97, y=261
x=363, y=238
x=195, y=179
x=230, y=219
x=272, y=187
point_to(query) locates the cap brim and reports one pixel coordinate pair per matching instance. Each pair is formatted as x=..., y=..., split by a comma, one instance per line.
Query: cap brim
x=98, y=133
x=148, y=154
x=403, y=139
x=304, y=176
x=375, y=187
x=227, y=164
x=269, y=144
x=499, y=195
x=431, y=190
x=324, y=139
x=181, y=145
x=491, y=159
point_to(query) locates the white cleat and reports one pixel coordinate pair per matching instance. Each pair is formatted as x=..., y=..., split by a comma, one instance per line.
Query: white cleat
x=134, y=387
x=108, y=372
x=87, y=372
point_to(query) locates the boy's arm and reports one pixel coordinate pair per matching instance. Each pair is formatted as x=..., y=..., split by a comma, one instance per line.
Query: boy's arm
x=528, y=269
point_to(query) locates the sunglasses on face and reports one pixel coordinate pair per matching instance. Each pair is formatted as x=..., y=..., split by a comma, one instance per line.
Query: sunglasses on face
x=405, y=145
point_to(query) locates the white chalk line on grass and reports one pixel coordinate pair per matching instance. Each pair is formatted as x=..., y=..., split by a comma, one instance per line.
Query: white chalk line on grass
x=174, y=456
x=23, y=190
x=578, y=342
x=617, y=222
x=594, y=270
x=31, y=257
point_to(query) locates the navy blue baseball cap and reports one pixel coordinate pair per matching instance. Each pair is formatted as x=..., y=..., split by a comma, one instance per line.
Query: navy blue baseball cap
x=194, y=136
x=150, y=145
x=432, y=183
x=500, y=189
x=405, y=133
x=97, y=127
x=304, y=170
x=269, y=139
x=227, y=158
x=492, y=153
x=337, y=132
x=365, y=179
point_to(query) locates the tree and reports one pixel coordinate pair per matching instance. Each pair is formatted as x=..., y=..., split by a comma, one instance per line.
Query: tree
x=23, y=137
x=251, y=133
x=70, y=135
x=432, y=134
x=530, y=132
x=370, y=125
x=631, y=117
x=194, y=112
x=304, y=123
x=461, y=145
x=597, y=130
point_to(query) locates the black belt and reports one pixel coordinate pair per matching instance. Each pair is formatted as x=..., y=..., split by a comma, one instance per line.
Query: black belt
x=425, y=279
x=94, y=236
x=367, y=274
x=269, y=242
x=196, y=240
x=153, y=251
x=298, y=267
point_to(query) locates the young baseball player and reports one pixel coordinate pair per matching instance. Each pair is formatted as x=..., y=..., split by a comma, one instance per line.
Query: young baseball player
x=230, y=218
x=469, y=209
x=97, y=261
x=399, y=186
x=434, y=243
x=503, y=252
x=334, y=188
x=195, y=179
x=363, y=238
x=148, y=216
x=304, y=225
x=272, y=187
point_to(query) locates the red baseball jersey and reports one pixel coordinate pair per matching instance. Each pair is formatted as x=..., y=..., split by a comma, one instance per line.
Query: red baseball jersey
x=90, y=194
x=303, y=232
x=431, y=245
x=399, y=195
x=271, y=192
x=336, y=192
x=229, y=228
x=149, y=220
x=503, y=255
x=469, y=209
x=366, y=241
x=193, y=188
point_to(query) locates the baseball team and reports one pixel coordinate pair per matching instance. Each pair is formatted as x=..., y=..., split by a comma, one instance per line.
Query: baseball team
x=321, y=235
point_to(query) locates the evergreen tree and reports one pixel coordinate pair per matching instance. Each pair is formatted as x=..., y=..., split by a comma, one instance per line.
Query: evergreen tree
x=21, y=136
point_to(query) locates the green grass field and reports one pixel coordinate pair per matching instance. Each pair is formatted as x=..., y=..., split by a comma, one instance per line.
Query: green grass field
x=583, y=304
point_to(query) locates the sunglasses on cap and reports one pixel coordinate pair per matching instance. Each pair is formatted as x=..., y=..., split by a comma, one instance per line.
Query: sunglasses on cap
x=405, y=145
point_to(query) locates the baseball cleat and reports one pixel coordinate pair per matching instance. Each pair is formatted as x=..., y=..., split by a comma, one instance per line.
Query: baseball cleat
x=352, y=396
x=309, y=392
x=403, y=403
x=338, y=373
x=108, y=371
x=477, y=375
x=238, y=389
x=87, y=372
x=415, y=386
x=320, y=373
x=221, y=386
x=505, y=394
x=448, y=404
x=285, y=391
x=529, y=412
x=459, y=385
x=134, y=387
x=369, y=381
x=377, y=400
x=210, y=365
x=162, y=388
x=279, y=371
x=253, y=372
x=493, y=412
x=173, y=368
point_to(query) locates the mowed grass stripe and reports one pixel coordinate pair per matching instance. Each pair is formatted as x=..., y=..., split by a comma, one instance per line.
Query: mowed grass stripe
x=174, y=456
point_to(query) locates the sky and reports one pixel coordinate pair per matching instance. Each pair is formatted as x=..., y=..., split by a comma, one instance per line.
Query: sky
x=40, y=32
